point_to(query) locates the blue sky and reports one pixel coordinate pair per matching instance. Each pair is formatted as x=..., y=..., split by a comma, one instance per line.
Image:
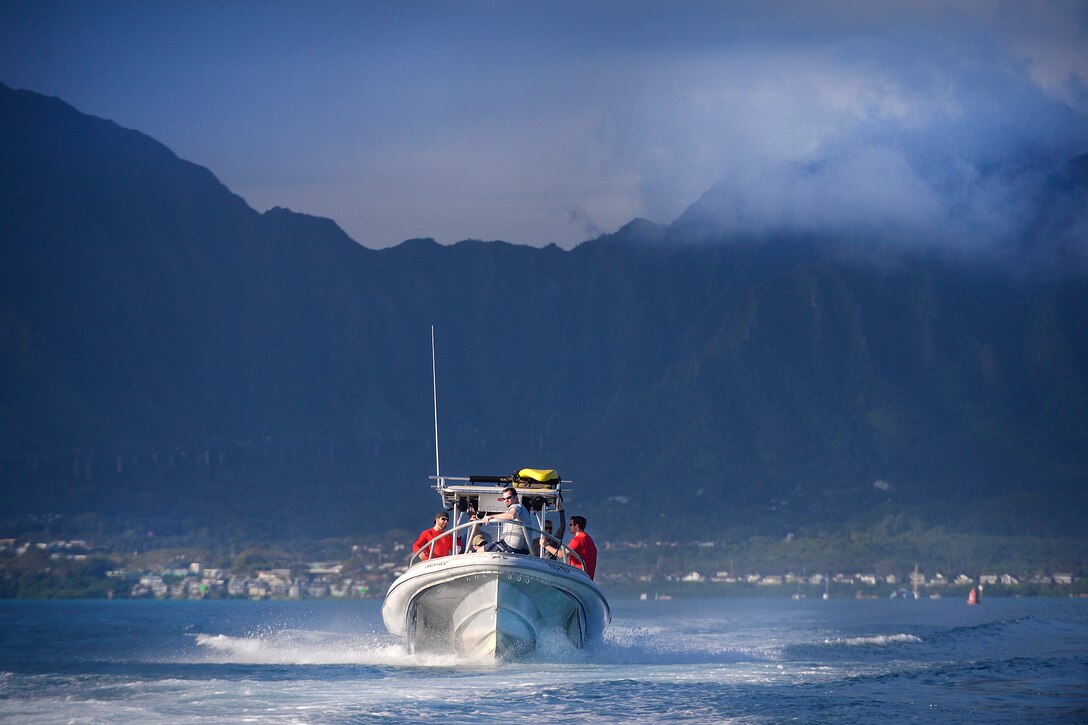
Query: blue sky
x=555, y=122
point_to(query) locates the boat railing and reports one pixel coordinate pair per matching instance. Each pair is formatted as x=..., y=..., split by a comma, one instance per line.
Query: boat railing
x=565, y=554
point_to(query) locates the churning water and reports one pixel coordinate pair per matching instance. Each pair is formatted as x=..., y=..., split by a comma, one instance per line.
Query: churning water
x=707, y=660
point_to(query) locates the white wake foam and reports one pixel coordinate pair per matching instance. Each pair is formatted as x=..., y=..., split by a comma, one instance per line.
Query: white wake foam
x=302, y=647
x=879, y=640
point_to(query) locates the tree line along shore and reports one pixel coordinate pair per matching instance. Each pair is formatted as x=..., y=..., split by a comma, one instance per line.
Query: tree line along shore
x=77, y=568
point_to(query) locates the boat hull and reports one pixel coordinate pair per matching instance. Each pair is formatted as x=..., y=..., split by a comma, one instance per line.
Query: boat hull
x=493, y=605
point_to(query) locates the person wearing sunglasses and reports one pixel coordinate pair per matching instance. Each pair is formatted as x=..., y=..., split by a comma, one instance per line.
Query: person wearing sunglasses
x=441, y=547
x=518, y=523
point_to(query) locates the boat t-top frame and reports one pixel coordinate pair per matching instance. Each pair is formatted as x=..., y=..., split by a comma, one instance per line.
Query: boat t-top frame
x=540, y=491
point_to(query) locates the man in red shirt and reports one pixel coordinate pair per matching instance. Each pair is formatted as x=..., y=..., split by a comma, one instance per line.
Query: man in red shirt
x=582, y=545
x=443, y=546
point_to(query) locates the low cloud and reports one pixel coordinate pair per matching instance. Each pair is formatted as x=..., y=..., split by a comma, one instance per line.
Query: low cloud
x=919, y=141
x=577, y=216
x=554, y=122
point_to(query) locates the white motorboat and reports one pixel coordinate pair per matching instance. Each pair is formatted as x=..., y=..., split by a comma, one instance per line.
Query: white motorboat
x=493, y=604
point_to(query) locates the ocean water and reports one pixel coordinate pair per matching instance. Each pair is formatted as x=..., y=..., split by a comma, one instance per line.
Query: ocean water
x=716, y=660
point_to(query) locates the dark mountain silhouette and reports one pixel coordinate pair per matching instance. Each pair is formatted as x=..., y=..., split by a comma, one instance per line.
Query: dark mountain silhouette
x=172, y=356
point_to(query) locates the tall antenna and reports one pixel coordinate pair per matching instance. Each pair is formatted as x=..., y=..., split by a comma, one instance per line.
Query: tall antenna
x=434, y=383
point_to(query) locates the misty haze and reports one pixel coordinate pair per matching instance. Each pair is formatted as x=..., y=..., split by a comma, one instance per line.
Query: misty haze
x=797, y=298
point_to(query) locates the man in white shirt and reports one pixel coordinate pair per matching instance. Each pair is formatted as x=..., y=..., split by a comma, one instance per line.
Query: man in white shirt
x=514, y=537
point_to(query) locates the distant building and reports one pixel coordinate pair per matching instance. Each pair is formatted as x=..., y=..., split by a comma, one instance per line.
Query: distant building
x=324, y=568
x=273, y=574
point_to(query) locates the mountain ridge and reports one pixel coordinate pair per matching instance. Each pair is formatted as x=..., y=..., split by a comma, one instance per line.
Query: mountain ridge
x=770, y=380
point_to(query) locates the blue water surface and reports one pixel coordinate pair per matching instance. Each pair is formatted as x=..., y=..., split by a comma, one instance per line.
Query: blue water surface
x=718, y=660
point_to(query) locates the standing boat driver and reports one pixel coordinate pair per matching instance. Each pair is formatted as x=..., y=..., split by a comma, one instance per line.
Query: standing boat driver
x=514, y=537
